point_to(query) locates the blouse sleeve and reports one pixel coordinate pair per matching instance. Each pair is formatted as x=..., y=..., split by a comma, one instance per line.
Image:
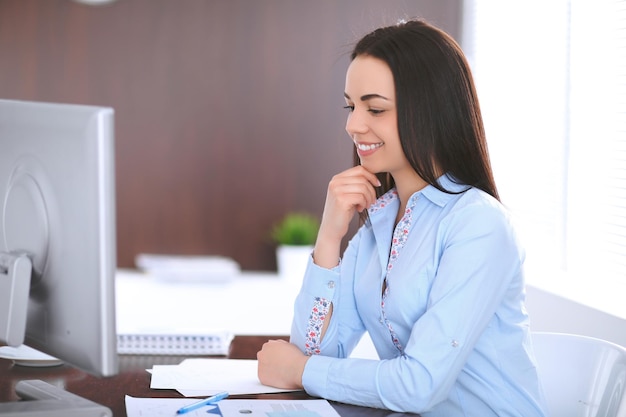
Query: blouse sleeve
x=322, y=287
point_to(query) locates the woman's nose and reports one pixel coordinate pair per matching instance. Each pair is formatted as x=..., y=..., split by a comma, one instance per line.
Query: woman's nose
x=355, y=123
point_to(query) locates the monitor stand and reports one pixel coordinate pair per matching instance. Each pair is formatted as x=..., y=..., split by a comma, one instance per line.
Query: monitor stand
x=44, y=400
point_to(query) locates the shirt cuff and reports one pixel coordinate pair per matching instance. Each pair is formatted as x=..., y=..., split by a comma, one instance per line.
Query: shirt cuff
x=321, y=282
x=314, y=376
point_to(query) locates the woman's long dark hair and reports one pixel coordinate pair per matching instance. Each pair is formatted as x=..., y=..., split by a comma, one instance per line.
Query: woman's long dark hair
x=439, y=120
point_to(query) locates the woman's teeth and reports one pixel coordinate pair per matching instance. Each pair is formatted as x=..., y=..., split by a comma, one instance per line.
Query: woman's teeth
x=365, y=147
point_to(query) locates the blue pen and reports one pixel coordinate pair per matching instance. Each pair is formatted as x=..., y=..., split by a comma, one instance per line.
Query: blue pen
x=207, y=401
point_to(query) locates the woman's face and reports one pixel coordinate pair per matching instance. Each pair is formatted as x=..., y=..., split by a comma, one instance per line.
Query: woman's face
x=373, y=120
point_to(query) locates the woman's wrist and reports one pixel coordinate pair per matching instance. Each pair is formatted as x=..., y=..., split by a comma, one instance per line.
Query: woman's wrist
x=326, y=252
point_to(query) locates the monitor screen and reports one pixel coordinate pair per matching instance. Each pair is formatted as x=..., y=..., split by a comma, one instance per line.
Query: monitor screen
x=57, y=207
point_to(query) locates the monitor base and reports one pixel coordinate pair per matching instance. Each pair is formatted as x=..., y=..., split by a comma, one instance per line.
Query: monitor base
x=43, y=399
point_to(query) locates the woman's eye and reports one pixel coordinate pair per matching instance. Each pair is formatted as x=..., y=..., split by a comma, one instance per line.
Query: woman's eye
x=376, y=111
x=349, y=108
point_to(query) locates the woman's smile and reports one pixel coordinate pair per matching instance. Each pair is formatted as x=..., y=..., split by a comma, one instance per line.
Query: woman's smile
x=366, y=149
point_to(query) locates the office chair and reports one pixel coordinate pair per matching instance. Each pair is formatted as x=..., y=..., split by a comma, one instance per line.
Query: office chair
x=581, y=376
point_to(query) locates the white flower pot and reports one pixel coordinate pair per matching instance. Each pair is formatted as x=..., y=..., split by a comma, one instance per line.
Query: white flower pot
x=292, y=261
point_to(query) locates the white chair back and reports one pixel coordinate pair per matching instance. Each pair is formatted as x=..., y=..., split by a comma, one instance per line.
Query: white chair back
x=581, y=376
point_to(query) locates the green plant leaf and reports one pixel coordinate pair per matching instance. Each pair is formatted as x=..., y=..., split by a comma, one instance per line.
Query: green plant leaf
x=296, y=229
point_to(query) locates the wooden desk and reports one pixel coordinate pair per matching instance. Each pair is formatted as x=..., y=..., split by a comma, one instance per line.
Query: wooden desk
x=135, y=381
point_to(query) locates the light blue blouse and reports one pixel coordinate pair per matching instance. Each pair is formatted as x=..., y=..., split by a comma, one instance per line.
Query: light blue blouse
x=454, y=303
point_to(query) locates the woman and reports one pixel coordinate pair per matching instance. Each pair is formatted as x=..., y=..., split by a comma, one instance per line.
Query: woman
x=435, y=273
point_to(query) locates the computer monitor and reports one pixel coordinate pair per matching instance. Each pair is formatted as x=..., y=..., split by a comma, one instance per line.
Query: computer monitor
x=57, y=210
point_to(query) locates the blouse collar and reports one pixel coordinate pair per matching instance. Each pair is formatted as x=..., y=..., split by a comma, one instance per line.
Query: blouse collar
x=436, y=196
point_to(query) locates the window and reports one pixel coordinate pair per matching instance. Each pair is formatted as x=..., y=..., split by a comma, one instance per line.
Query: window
x=551, y=77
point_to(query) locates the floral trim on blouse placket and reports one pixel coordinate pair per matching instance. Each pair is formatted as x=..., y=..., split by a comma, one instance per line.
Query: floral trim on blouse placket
x=321, y=306
x=400, y=235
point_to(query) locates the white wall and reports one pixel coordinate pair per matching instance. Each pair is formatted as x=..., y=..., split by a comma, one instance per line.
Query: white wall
x=554, y=313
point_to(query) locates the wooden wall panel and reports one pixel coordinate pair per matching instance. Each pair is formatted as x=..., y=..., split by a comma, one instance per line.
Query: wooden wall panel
x=228, y=112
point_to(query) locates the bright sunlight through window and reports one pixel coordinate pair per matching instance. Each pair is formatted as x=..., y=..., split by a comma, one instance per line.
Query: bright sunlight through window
x=551, y=77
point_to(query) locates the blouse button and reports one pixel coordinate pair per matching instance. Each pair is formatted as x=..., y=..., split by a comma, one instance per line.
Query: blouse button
x=454, y=343
x=331, y=284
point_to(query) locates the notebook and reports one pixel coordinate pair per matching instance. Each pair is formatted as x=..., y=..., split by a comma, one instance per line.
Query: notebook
x=187, y=344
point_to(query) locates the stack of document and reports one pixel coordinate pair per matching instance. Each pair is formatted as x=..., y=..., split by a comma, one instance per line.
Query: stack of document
x=202, y=377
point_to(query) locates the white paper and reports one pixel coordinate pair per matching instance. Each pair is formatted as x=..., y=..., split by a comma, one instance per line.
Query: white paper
x=27, y=356
x=161, y=407
x=201, y=377
x=277, y=408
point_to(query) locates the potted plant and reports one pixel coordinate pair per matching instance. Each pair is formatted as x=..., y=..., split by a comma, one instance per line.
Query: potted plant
x=295, y=236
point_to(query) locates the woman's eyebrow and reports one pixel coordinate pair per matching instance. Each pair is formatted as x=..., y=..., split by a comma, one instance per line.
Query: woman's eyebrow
x=367, y=97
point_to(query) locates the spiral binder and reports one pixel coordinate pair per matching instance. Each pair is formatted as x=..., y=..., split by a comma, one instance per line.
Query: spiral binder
x=174, y=344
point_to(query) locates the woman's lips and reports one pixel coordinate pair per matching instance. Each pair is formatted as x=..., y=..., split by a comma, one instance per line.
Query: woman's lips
x=365, y=149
